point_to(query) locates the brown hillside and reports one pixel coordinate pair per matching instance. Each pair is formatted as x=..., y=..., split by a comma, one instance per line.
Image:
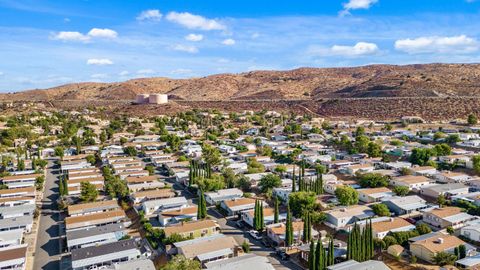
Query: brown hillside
x=430, y=80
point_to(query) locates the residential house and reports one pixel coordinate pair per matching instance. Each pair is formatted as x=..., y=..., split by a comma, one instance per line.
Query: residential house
x=95, y=236
x=95, y=219
x=153, y=194
x=276, y=232
x=13, y=257
x=178, y=215
x=413, y=182
x=245, y=262
x=209, y=249
x=193, y=229
x=236, y=206
x=268, y=216
x=369, y=195
x=154, y=206
x=425, y=247
x=383, y=225
x=341, y=217
x=366, y=265
x=442, y=218
x=107, y=254
x=405, y=205
x=447, y=190
x=215, y=197
x=93, y=207
x=452, y=177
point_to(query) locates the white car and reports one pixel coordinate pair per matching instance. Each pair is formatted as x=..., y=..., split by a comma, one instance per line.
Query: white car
x=255, y=234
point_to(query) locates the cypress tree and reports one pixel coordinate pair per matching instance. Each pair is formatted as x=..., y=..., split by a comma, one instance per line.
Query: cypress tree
x=462, y=251
x=255, y=216
x=261, y=219
x=331, y=253
x=318, y=256
x=289, y=229
x=305, y=237
x=276, y=212
x=202, y=206
x=311, y=257
x=324, y=258
x=293, y=180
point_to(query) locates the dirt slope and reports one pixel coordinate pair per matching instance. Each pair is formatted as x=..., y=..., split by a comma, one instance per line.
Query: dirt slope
x=430, y=80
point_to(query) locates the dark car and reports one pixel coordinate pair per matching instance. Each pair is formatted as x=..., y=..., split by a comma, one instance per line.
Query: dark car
x=266, y=243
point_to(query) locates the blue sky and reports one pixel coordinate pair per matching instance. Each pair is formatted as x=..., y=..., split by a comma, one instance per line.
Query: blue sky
x=45, y=43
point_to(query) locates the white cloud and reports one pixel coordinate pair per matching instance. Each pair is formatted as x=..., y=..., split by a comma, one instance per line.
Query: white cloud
x=102, y=33
x=1, y=73
x=70, y=36
x=99, y=62
x=151, y=14
x=194, y=37
x=77, y=36
x=185, y=48
x=192, y=21
x=145, y=71
x=356, y=4
x=437, y=44
x=181, y=71
x=124, y=73
x=228, y=42
x=99, y=76
x=359, y=49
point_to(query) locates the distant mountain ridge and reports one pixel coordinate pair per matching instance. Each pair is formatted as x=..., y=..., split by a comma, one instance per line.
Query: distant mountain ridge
x=422, y=80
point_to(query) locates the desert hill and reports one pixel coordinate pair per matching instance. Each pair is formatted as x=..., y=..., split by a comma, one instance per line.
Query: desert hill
x=426, y=80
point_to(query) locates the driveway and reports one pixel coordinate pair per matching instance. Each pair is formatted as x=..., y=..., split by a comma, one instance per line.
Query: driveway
x=47, y=255
x=227, y=226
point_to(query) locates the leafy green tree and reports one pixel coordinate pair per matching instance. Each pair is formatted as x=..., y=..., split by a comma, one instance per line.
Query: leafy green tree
x=253, y=166
x=59, y=151
x=130, y=151
x=472, y=119
x=302, y=201
x=281, y=169
x=452, y=139
x=476, y=164
x=401, y=190
x=423, y=228
x=88, y=192
x=381, y=209
x=243, y=183
x=373, y=180
x=211, y=155
x=150, y=169
x=346, y=195
x=374, y=150
x=230, y=177
x=179, y=262
x=91, y=159
x=442, y=149
x=213, y=183
x=269, y=181
x=441, y=201
x=361, y=144
x=443, y=258
x=421, y=156
x=462, y=250
x=450, y=230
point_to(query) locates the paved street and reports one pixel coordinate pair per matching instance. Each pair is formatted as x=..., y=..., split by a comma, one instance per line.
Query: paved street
x=47, y=251
x=228, y=228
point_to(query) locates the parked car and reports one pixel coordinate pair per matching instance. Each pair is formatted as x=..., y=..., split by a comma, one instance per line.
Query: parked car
x=240, y=224
x=282, y=255
x=255, y=234
x=266, y=243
